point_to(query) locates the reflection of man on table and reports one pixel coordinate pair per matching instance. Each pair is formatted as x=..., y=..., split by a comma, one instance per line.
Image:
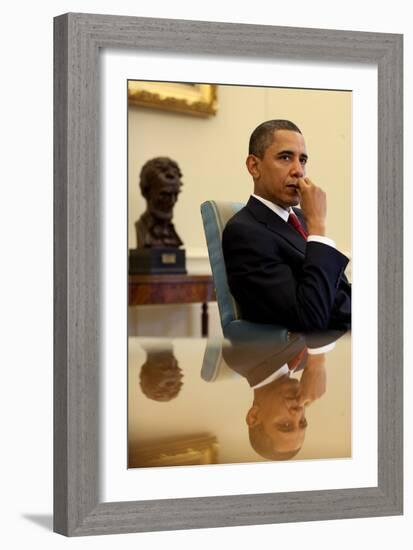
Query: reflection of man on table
x=281, y=267
x=276, y=419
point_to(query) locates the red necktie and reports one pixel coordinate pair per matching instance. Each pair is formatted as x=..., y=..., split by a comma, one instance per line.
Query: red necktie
x=294, y=222
x=296, y=361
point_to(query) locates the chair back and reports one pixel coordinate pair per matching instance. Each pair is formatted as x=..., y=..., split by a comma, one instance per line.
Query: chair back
x=215, y=215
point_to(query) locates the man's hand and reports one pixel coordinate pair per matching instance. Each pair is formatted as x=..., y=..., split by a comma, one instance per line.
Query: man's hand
x=313, y=202
x=313, y=380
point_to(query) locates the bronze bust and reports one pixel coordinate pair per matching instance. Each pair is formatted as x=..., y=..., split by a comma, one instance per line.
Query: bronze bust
x=160, y=183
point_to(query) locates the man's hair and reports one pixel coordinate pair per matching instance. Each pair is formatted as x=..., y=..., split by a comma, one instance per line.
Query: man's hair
x=264, y=445
x=263, y=135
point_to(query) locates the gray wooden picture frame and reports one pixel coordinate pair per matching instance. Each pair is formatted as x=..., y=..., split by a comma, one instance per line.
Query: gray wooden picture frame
x=78, y=41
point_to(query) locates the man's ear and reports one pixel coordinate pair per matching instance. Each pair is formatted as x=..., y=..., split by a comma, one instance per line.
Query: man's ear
x=252, y=164
x=252, y=418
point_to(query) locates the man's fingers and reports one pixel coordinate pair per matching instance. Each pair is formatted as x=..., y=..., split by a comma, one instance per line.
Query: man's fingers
x=301, y=184
x=303, y=400
x=304, y=183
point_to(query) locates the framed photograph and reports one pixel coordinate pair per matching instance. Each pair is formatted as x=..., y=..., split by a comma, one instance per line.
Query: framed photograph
x=94, y=491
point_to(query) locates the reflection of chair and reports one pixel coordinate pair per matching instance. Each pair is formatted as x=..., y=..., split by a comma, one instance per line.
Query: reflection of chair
x=246, y=345
x=215, y=215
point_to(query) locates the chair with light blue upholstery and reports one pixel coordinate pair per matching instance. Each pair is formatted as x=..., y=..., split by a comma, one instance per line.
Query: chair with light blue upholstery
x=215, y=215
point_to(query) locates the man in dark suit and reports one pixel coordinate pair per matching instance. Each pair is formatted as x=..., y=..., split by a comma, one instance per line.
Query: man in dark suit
x=281, y=267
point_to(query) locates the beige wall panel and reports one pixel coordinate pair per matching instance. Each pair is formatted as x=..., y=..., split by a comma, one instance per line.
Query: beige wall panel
x=324, y=118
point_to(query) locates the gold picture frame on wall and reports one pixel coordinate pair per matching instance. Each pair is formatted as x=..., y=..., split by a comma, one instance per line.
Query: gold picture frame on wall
x=199, y=100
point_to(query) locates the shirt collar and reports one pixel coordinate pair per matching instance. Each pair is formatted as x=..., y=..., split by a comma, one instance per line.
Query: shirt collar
x=282, y=371
x=285, y=370
x=275, y=208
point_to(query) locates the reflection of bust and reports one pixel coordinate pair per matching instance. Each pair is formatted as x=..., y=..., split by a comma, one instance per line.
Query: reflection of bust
x=160, y=182
x=161, y=377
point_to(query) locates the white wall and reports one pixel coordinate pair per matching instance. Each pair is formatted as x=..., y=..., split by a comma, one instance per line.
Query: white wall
x=26, y=274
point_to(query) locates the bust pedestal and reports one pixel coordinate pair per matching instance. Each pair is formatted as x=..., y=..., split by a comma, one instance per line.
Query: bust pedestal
x=157, y=261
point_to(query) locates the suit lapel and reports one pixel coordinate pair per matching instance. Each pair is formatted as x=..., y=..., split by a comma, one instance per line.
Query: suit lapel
x=275, y=224
x=259, y=358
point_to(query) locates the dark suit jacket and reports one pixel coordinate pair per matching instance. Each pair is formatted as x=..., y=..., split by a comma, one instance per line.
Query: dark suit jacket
x=256, y=359
x=277, y=277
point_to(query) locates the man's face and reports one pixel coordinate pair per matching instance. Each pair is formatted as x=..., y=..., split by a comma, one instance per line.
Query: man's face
x=276, y=174
x=284, y=419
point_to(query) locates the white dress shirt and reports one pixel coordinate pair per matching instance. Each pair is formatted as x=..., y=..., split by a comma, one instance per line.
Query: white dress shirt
x=283, y=213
